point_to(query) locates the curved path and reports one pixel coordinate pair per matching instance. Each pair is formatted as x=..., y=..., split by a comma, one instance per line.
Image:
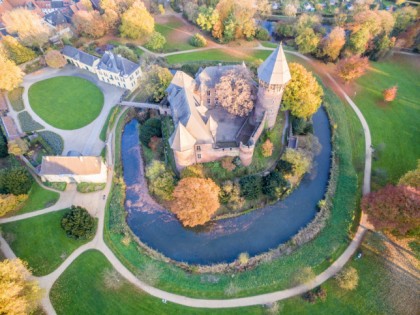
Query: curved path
x=98, y=243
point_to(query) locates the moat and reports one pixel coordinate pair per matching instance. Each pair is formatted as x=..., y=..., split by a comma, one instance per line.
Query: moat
x=222, y=241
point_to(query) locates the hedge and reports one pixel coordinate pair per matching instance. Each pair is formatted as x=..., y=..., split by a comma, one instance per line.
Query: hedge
x=27, y=123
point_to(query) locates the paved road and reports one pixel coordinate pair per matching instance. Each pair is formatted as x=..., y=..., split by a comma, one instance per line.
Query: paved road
x=98, y=243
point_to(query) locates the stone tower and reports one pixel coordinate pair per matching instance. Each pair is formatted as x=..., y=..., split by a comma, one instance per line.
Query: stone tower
x=273, y=75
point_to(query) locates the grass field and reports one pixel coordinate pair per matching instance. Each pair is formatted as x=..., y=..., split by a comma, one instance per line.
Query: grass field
x=66, y=102
x=40, y=241
x=89, y=274
x=394, y=126
x=176, y=40
x=39, y=198
x=110, y=120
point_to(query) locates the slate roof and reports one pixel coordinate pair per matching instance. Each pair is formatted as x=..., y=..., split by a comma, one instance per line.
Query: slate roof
x=56, y=18
x=181, y=139
x=71, y=165
x=210, y=76
x=274, y=70
x=79, y=55
x=117, y=64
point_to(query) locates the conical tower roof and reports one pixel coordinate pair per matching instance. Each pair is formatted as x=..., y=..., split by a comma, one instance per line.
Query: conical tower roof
x=212, y=125
x=274, y=70
x=181, y=139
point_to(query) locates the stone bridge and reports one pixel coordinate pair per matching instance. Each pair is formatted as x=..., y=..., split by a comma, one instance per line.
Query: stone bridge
x=163, y=110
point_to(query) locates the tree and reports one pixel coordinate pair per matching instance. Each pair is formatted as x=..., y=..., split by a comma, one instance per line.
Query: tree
x=89, y=23
x=390, y=94
x=267, y=148
x=347, y=278
x=290, y=10
x=191, y=11
x=3, y=145
x=332, y=44
x=108, y=5
x=155, y=82
x=359, y=40
x=55, y=59
x=30, y=28
x=111, y=19
x=263, y=9
x=383, y=44
x=87, y=4
x=207, y=18
x=195, y=170
x=78, y=224
x=161, y=180
x=151, y=128
x=393, y=208
x=137, y=22
x=352, y=68
x=274, y=185
x=198, y=40
x=307, y=41
x=250, y=187
x=285, y=30
x=307, y=21
x=16, y=51
x=10, y=202
x=126, y=52
x=11, y=76
x=302, y=95
x=195, y=200
x=17, y=147
x=156, y=42
x=230, y=195
x=227, y=163
x=404, y=17
x=411, y=178
x=300, y=161
x=235, y=91
x=19, y=293
x=161, y=9
x=16, y=181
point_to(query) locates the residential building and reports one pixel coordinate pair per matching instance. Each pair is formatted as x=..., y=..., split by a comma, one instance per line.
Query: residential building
x=73, y=169
x=80, y=59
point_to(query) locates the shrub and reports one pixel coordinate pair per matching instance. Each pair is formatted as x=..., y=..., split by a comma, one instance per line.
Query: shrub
x=198, y=40
x=300, y=161
x=243, y=258
x=284, y=167
x=16, y=181
x=230, y=195
x=10, y=202
x=250, y=186
x=78, y=224
x=196, y=170
x=313, y=295
x=54, y=141
x=125, y=52
x=55, y=59
x=27, y=123
x=227, y=163
x=152, y=127
x=90, y=187
x=274, y=185
x=161, y=180
x=302, y=126
x=347, y=278
x=390, y=94
x=15, y=98
x=3, y=144
x=267, y=148
x=262, y=34
x=156, y=42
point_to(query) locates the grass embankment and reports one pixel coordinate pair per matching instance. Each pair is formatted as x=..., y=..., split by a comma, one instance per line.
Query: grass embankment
x=38, y=198
x=15, y=98
x=107, y=293
x=394, y=126
x=109, y=123
x=66, y=102
x=40, y=241
x=317, y=254
x=176, y=39
x=90, y=187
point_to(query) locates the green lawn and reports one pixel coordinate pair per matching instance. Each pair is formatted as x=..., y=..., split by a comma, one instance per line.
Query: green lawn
x=66, y=102
x=83, y=289
x=175, y=40
x=394, y=126
x=110, y=120
x=40, y=241
x=39, y=198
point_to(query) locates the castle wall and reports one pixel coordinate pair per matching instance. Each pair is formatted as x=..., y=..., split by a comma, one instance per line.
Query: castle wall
x=245, y=153
x=184, y=158
x=267, y=102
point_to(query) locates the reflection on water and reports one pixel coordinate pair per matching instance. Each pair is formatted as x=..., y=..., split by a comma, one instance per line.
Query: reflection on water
x=221, y=241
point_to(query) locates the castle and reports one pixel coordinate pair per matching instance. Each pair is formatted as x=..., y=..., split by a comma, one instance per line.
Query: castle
x=205, y=131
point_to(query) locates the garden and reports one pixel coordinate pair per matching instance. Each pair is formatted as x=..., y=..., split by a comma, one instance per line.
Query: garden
x=56, y=102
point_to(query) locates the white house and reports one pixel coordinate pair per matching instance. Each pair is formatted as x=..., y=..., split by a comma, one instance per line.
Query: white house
x=70, y=169
x=118, y=71
x=111, y=68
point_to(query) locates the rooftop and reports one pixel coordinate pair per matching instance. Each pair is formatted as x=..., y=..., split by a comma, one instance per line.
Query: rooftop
x=117, y=64
x=79, y=55
x=71, y=165
x=274, y=70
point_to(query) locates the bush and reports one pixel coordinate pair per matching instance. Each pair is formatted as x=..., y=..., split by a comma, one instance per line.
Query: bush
x=250, y=186
x=15, y=98
x=227, y=163
x=126, y=52
x=274, y=185
x=284, y=167
x=3, y=144
x=27, y=123
x=78, y=224
x=301, y=126
x=230, y=195
x=10, y=202
x=347, y=278
x=90, y=187
x=161, y=180
x=315, y=294
x=16, y=181
x=156, y=42
x=53, y=140
x=151, y=128
x=262, y=34
x=196, y=170
x=267, y=148
x=198, y=40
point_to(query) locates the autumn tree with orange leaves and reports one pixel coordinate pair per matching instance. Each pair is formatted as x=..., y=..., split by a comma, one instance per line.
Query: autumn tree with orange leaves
x=352, y=68
x=195, y=200
x=390, y=94
x=393, y=208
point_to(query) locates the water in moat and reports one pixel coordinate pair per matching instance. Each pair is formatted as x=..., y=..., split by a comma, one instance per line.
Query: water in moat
x=223, y=240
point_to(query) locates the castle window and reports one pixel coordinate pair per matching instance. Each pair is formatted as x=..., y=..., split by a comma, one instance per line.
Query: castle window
x=198, y=148
x=208, y=92
x=199, y=156
x=208, y=101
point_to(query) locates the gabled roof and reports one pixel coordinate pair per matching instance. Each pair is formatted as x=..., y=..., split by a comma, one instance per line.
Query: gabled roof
x=56, y=18
x=71, y=165
x=117, y=64
x=79, y=55
x=181, y=139
x=274, y=70
x=212, y=125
